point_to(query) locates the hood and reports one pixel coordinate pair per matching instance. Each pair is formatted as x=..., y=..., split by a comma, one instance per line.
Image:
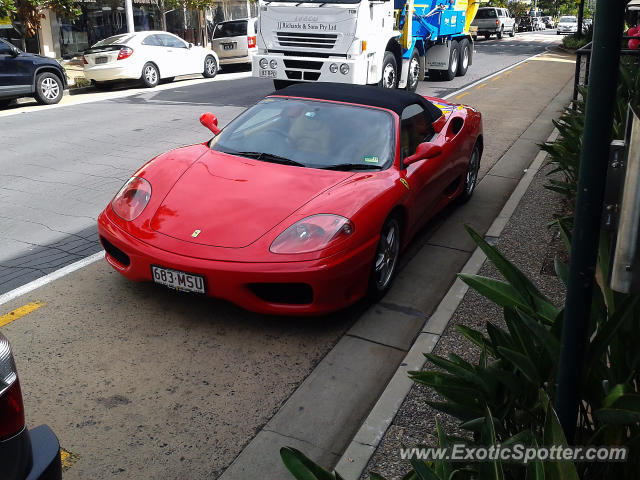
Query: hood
x=228, y=201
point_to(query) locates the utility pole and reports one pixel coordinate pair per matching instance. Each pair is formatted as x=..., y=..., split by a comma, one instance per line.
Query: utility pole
x=596, y=139
x=128, y=7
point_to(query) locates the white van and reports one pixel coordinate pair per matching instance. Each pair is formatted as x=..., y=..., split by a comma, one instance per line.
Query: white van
x=235, y=40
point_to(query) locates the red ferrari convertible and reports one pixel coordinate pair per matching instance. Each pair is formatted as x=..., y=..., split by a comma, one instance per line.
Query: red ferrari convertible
x=302, y=204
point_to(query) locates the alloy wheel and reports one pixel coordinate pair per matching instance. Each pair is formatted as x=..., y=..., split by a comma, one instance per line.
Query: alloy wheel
x=209, y=66
x=49, y=88
x=389, y=76
x=472, y=172
x=150, y=74
x=387, y=254
x=414, y=73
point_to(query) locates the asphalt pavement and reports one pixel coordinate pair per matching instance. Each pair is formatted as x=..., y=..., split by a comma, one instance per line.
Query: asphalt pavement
x=141, y=382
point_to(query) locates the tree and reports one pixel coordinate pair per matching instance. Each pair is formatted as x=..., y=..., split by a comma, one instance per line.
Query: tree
x=25, y=15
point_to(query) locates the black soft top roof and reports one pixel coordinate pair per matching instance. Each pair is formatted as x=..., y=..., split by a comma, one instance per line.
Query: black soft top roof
x=395, y=100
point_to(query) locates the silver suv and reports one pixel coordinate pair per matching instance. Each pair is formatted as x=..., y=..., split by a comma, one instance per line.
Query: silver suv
x=493, y=20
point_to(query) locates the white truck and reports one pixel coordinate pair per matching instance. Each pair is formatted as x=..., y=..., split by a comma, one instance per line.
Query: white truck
x=391, y=43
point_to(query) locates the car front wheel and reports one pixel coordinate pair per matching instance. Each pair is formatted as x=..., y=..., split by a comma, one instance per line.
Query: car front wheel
x=48, y=89
x=471, y=177
x=210, y=67
x=385, y=259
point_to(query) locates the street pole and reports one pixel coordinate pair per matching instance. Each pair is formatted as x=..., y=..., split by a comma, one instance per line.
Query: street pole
x=128, y=6
x=601, y=99
x=580, y=18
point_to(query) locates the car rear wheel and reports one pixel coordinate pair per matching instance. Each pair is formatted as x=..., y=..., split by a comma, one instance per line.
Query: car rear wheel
x=210, y=67
x=414, y=73
x=465, y=55
x=389, y=71
x=48, y=89
x=471, y=177
x=501, y=32
x=513, y=32
x=454, y=60
x=487, y=36
x=150, y=75
x=385, y=259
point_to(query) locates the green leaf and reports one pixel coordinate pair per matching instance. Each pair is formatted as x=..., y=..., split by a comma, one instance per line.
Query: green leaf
x=423, y=471
x=497, y=291
x=543, y=336
x=477, y=338
x=553, y=435
x=616, y=416
x=375, y=476
x=443, y=469
x=301, y=467
x=522, y=363
x=614, y=394
x=562, y=271
x=490, y=469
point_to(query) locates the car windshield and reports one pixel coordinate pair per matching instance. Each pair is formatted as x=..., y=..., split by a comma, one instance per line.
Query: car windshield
x=486, y=13
x=311, y=133
x=230, y=29
x=568, y=20
x=116, y=39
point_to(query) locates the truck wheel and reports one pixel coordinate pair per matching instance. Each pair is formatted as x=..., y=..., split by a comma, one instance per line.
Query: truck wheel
x=500, y=33
x=389, y=71
x=454, y=60
x=414, y=73
x=465, y=55
x=280, y=84
x=487, y=36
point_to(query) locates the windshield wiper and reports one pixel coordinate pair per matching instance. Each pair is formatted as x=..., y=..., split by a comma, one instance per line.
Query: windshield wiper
x=352, y=166
x=270, y=157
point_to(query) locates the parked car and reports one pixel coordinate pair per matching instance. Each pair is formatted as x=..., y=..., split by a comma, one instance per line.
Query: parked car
x=299, y=206
x=28, y=75
x=567, y=25
x=539, y=23
x=235, y=41
x=493, y=20
x=149, y=56
x=24, y=453
x=548, y=22
x=526, y=24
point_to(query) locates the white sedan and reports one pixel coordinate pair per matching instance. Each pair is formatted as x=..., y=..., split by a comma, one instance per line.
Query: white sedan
x=149, y=56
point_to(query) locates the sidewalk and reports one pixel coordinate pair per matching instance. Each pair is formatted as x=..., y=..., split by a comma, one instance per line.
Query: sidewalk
x=327, y=410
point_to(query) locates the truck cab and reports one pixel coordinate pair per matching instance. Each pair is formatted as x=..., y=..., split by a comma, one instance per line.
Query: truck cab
x=383, y=42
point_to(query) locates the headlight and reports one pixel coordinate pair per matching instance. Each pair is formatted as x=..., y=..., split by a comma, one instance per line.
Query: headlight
x=273, y=64
x=130, y=201
x=263, y=63
x=312, y=234
x=344, y=69
x=333, y=68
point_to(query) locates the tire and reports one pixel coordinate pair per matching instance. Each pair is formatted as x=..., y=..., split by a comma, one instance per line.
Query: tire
x=454, y=60
x=465, y=55
x=103, y=86
x=500, y=34
x=487, y=36
x=415, y=73
x=280, y=84
x=385, y=260
x=49, y=89
x=512, y=33
x=5, y=102
x=389, y=71
x=471, y=177
x=150, y=75
x=210, y=67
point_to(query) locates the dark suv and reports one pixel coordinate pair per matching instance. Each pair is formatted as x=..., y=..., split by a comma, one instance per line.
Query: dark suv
x=28, y=75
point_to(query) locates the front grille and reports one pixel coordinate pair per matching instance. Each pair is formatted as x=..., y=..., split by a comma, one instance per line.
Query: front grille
x=293, y=74
x=289, y=293
x=306, y=64
x=311, y=76
x=117, y=254
x=307, y=40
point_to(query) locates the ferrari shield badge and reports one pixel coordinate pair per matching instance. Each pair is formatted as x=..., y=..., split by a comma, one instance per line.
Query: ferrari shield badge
x=405, y=183
x=195, y=233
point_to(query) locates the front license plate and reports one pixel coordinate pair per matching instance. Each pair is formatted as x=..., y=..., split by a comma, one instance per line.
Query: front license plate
x=268, y=73
x=101, y=60
x=183, y=281
x=228, y=46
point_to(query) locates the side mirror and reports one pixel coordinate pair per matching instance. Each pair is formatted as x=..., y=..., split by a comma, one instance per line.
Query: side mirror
x=210, y=121
x=15, y=51
x=424, y=151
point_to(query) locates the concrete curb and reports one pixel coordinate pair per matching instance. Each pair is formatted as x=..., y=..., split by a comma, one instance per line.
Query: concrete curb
x=364, y=444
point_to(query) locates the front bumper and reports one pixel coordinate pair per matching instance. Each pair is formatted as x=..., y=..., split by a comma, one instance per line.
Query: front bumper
x=336, y=281
x=312, y=69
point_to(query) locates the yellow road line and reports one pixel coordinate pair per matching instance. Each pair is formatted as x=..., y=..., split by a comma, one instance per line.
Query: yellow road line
x=481, y=86
x=496, y=78
x=68, y=458
x=20, y=312
x=462, y=95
